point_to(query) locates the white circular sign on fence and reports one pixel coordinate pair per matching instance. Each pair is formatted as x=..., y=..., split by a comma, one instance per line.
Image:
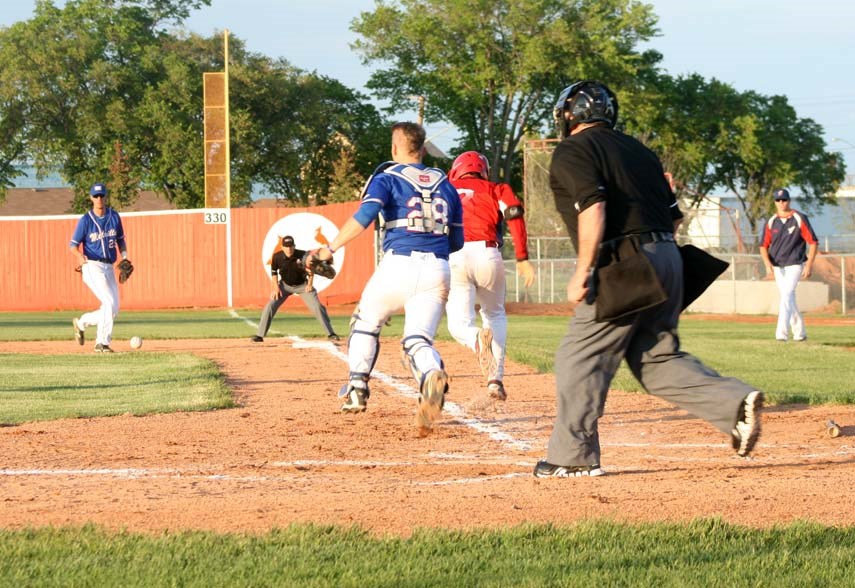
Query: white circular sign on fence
x=310, y=231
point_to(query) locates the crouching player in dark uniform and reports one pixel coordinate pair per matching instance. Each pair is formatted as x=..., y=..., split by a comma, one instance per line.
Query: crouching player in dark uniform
x=616, y=203
x=288, y=275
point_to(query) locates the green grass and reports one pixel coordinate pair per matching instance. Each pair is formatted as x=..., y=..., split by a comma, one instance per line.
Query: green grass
x=174, y=324
x=820, y=370
x=61, y=386
x=701, y=553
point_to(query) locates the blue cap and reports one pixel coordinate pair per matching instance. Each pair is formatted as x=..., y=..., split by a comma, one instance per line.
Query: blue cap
x=782, y=194
x=98, y=190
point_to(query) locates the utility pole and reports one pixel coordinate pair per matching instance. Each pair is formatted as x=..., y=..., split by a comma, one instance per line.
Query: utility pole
x=421, y=108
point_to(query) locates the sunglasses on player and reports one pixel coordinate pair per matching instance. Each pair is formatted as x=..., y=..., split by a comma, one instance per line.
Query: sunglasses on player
x=99, y=195
x=782, y=199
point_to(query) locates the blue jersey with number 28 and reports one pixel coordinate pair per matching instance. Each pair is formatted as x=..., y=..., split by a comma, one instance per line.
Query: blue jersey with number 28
x=420, y=207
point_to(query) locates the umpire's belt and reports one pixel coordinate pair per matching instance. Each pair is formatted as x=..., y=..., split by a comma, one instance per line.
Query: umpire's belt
x=640, y=239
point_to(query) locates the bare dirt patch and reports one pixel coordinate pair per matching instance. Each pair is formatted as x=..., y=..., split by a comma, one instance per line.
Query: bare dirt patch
x=287, y=454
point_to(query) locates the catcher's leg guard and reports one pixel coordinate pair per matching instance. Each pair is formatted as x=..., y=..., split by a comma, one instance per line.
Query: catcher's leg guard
x=363, y=345
x=410, y=347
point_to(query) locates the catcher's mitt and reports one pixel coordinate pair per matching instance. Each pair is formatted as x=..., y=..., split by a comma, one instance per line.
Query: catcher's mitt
x=314, y=264
x=126, y=268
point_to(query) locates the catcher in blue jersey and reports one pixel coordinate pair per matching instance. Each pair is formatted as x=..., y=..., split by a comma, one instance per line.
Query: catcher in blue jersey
x=424, y=224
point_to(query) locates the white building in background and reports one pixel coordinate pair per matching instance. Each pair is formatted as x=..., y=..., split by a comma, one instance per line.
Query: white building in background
x=714, y=224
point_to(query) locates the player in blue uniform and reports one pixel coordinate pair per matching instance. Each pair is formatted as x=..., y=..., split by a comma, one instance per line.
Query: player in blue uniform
x=424, y=224
x=785, y=237
x=100, y=233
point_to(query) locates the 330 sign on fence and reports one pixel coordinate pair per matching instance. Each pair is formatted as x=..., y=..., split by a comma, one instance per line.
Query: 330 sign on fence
x=216, y=216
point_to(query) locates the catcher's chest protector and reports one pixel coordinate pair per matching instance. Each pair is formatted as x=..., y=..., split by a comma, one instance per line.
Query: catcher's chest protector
x=426, y=183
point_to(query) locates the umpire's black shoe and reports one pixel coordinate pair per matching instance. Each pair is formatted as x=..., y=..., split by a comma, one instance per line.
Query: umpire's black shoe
x=544, y=469
x=744, y=437
x=257, y=339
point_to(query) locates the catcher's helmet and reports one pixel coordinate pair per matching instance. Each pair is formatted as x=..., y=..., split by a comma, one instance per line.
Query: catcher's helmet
x=584, y=102
x=469, y=162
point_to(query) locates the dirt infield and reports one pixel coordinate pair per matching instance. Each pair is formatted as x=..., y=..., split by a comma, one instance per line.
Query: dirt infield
x=288, y=455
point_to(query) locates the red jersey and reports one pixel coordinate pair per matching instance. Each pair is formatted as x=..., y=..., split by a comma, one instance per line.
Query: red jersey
x=484, y=204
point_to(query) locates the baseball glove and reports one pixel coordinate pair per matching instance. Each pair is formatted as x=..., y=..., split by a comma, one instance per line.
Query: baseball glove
x=126, y=268
x=314, y=264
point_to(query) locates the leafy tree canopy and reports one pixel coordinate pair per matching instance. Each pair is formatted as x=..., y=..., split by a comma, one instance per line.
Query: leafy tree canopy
x=100, y=86
x=712, y=137
x=493, y=68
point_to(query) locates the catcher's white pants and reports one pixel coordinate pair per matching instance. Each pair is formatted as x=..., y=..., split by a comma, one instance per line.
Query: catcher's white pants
x=478, y=276
x=789, y=317
x=101, y=279
x=418, y=283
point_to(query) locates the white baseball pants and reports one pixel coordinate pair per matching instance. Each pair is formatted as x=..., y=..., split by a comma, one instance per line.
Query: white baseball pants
x=101, y=279
x=478, y=276
x=418, y=283
x=789, y=317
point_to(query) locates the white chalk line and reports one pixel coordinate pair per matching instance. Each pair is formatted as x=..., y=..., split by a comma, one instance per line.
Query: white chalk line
x=494, y=432
x=453, y=409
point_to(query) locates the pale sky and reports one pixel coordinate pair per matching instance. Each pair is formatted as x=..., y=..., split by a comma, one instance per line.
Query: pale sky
x=803, y=50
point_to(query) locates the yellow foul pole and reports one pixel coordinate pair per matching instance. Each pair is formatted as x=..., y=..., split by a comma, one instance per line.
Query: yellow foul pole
x=228, y=171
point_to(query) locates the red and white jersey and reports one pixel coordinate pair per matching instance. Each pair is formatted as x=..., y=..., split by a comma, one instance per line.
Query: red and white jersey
x=484, y=203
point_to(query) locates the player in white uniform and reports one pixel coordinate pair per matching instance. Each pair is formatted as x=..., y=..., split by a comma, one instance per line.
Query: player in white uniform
x=100, y=233
x=477, y=270
x=423, y=221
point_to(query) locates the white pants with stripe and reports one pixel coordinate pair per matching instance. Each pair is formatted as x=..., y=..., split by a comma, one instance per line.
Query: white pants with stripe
x=478, y=277
x=101, y=279
x=789, y=317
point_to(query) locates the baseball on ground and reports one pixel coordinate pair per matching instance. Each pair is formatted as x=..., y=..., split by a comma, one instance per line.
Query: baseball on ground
x=136, y=342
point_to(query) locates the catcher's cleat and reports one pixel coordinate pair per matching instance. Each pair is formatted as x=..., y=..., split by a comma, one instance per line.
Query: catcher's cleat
x=357, y=398
x=484, y=349
x=544, y=469
x=434, y=387
x=496, y=390
x=747, y=431
x=79, y=334
x=99, y=348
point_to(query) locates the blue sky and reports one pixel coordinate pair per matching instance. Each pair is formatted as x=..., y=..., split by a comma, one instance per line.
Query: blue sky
x=803, y=50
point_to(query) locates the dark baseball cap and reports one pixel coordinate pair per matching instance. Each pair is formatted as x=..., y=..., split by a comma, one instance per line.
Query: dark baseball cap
x=782, y=194
x=287, y=241
x=98, y=190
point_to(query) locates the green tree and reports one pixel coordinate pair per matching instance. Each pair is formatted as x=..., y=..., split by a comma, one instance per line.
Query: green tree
x=493, y=68
x=71, y=80
x=768, y=146
x=713, y=138
x=76, y=80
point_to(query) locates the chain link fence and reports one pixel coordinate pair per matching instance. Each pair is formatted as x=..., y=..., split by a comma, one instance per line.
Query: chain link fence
x=836, y=271
x=554, y=257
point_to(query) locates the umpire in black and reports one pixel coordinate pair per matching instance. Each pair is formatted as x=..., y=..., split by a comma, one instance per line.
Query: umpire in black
x=289, y=275
x=613, y=196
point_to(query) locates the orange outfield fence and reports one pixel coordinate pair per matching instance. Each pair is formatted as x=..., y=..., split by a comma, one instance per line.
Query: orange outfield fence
x=179, y=260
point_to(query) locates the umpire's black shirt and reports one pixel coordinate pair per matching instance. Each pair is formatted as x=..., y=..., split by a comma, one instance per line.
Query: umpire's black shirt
x=600, y=164
x=291, y=269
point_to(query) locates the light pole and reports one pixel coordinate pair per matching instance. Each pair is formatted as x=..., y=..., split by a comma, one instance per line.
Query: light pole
x=421, y=108
x=839, y=140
